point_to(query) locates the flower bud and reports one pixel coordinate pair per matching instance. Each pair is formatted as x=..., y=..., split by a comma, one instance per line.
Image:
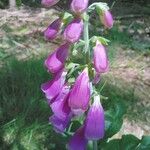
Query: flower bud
x=55, y=61
x=51, y=32
x=94, y=124
x=73, y=31
x=100, y=58
x=107, y=19
x=60, y=106
x=53, y=87
x=80, y=94
x=79, y=6
x=49, y=3
x=78, y=141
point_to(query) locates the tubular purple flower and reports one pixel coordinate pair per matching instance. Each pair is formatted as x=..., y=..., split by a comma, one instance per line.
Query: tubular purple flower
x=78, y=141
x=107, y=19
x=60, y=106
x=59, y=124
x=73, y=31
x=100, y=58
x=49, y=3
x=95, y=123
x=53, y=87
x=79, y=6
x=80, y=95
x=55, y=61
x=51, y=32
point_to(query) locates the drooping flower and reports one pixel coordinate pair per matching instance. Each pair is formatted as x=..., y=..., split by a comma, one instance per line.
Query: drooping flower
x=100, y=58
x=51, y=32
x=78, y=141
x=49, y=3
x=80, y=94
x=60, y=106
x=107, y=19
x=55, y=61
x=53, y=87
x=60, y=124
x=73, y=31
x=79, y=6
x=94, y=124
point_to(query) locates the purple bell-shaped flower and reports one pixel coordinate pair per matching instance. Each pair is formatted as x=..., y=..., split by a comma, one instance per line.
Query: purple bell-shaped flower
x=51, y=32
x=73, y=31
x=107, y=19
x=100, y=58
x=95, y=123
x=49, y=3
x=79, y=6
x=60, y=106
x=53, y=87
x=60, y=124
x=78, y=141
x=55, y=61
x=80, y=94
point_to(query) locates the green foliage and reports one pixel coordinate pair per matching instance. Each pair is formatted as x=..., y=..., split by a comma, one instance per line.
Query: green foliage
x=3, y=3
x=127, y=142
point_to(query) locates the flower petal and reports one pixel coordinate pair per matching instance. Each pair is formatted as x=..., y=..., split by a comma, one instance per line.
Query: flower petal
x=79, y=6
x=78, y=141
x=73, y=31
x=54, y=86
x=80, y=93
x=60, y=106
x=100, y=58
x=95, y=124
x=55, y=61
x=51, y=32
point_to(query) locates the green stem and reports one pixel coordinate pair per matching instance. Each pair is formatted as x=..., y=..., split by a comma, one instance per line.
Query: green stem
x=86, y=38
x=95, y=145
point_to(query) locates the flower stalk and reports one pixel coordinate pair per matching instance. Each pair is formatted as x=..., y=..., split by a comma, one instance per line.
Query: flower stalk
x=86, y=37
x=95, y=145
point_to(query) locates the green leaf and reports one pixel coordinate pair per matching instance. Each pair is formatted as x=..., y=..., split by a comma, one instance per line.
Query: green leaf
x=75, y=125
x=102, y=40
x=99, y=6
x=112, y=145
x=67, y=17
x=129, y=142
x=112, y=126
x=145, y=143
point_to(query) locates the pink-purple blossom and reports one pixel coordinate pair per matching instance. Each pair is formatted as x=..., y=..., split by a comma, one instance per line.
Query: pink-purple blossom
x=78, y=140
x=60, y=105
x=79, y=6
x=94, y=124
x=58, y=124
x=100, y=58
x=55, y=61
x=49, y=3
x=107, y=19
x=53, y=87
x=51, y=32
x=80, y=94
x=73, y=31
